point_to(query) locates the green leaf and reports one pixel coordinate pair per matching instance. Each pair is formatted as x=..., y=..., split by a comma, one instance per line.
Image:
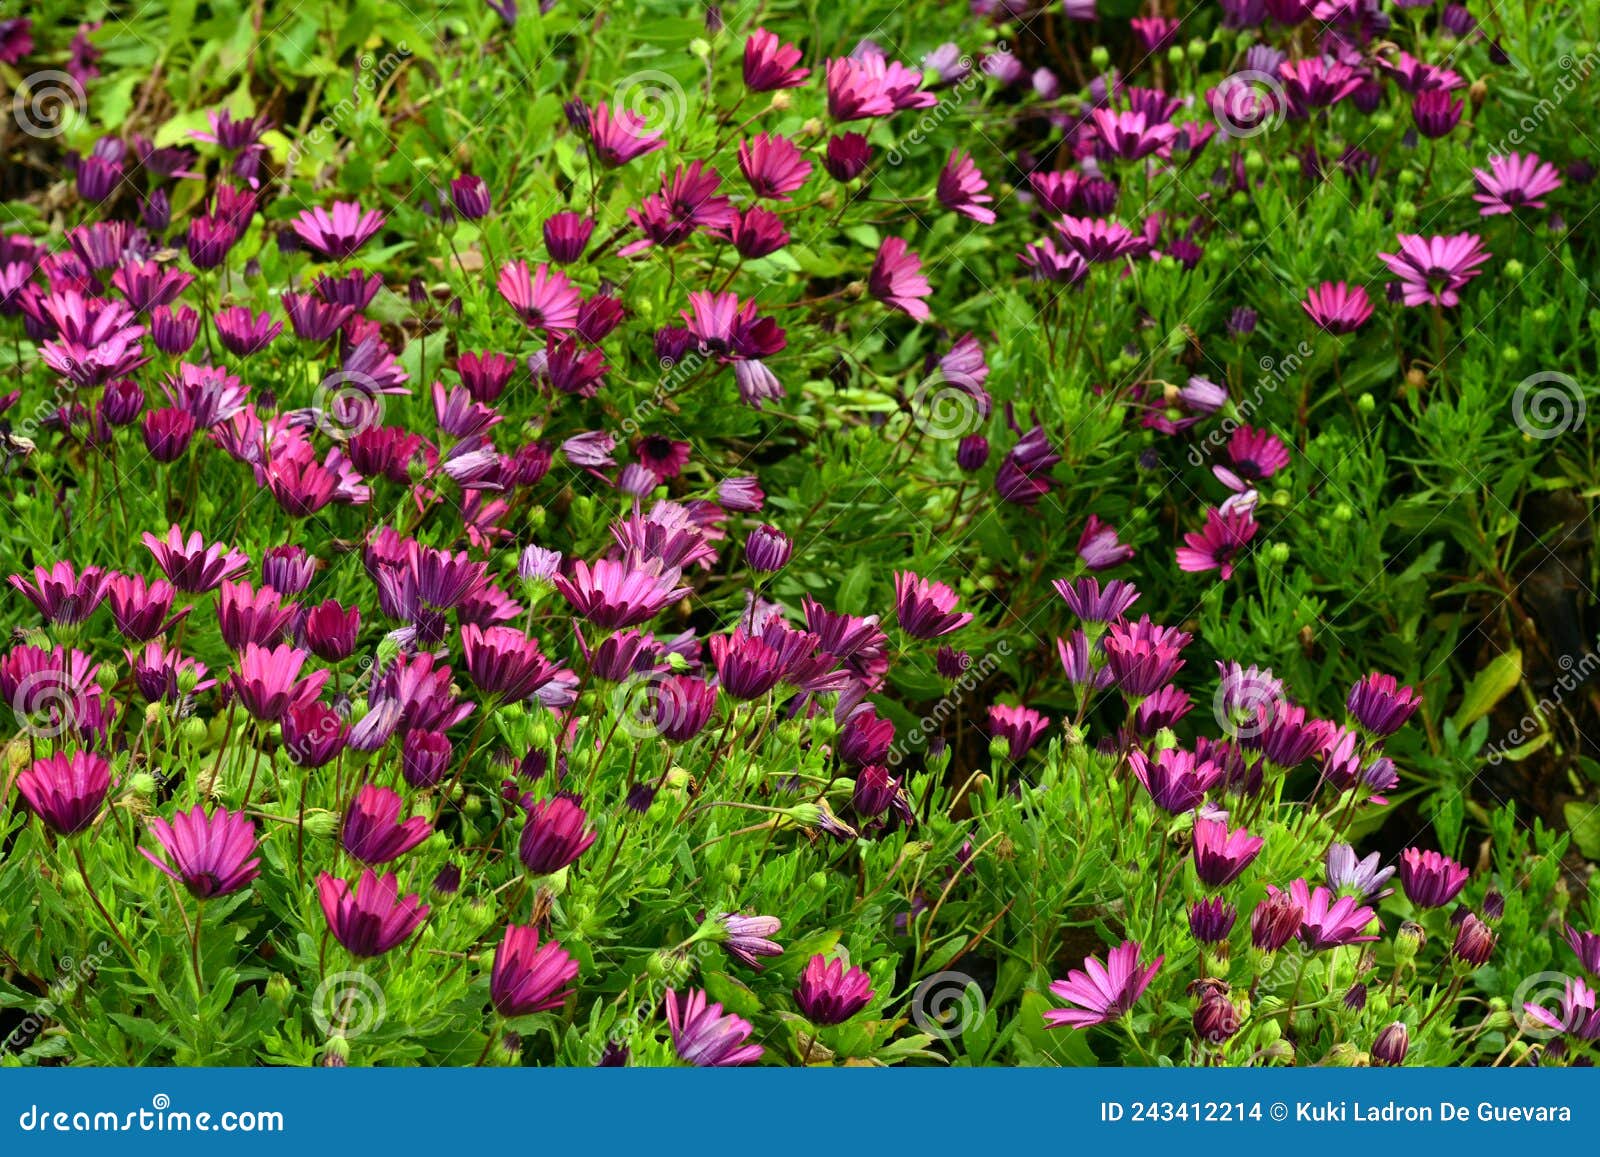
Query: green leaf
x=1488, y=687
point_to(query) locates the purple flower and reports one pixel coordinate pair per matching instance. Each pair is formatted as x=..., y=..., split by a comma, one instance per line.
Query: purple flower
x=1474, y=942
x=373, y=832
x=553, y=836
x=1098, y=548
x=1217, y=545
x=1143, y=657
x=829, y=992
x=66, y=790
x=1275, y=921
x=370, y=918
x=961, y=189
x=502, y=661
x=769, y=64
x=1432, y=270
x=619, y=139
x=767, y=549
x=1364, y=877
x=1577, y=1017
x=1326, y=921
x=1586, y=947
x=138, y=609
x=213, y=855
x=61, y=594
x=1436, y=113
x=1391, y=1044
x=612, y=594
x=1177, y=780
x=1211, y=919
x=1513, y=182
x=1380, y=704
x=336, y=235
x=1430, y=880
x=1102, y=992
x=193, y=567
x=897, y=280
x=924, y=608
x=1092, y=604
x=529, y=977
x=1338, y=308
x=543, y=299
x=704, y=1037
x=747, y=937
x=1220, y=855
x=1021, y=727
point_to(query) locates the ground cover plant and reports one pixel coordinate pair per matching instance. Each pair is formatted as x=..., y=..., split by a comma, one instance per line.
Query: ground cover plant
x=798, y=534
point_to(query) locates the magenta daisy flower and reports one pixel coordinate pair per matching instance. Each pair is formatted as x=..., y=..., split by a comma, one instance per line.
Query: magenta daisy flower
x=1219, y=543
x=544, y=299
x=612, y=594
x=527, y=976
x=830, y=992
x=1338, y=308
x=372, y=917
x=211, y=855
x=703, y=1036
x=620, y=138
x=926, y=608
x=770, y=64
x=1513, y=182
x=338, y=234
x=897, y=279
x=961, y=189
x=1432, y=270
x=1102, y=993
x=773, y=165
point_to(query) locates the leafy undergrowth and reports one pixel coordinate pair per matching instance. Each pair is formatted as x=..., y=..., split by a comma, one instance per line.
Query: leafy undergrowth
x=860, y=534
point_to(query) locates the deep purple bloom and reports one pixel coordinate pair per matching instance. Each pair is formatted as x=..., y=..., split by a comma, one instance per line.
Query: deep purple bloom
x=529, y=977
x=1327, y=921
x=373, y=831
x=1586, y=947
x=770, y=64
x=1474, y=942
x=193, y=567
x=1220, y=855
x=1275, y=921
x=66, y=790
x=1391, y=1044
x=553, y=836
x=830, y=992
x=63, y=595
x=896, y=279
x=212, y=855
x=767, y=549
x=1380, y=704
x=1177, y=780
x=1086, y=598
x=1430, y=880
x=1021, y=727
x=925, y=608
x=1211, y=919
x=372, y=917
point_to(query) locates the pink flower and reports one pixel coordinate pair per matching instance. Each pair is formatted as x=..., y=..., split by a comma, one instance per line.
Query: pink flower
x=1102, y=992
x=770, y=65
x=1514, y=182
x=620, y=139
x=897, y=281
x=1433, y=269
x=961, y=189
x=1216, y=546
x=544, y=300
x=1337, y=307
x=773, y=165
x=337, y=235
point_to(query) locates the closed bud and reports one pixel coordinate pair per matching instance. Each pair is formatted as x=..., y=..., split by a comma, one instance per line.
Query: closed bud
x=142, y=783
x=1408, y=941
x=279, y=990
x=1514, y=269
x=1391, y=1045
x=321, y=824
x=1344, y=1055
x=1100, y=57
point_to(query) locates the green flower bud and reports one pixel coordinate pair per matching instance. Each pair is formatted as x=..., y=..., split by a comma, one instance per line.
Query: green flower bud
x=1366, y=403
x=279, y=990
x=781, y=100
x=106, y=676
x=142, y=783
x=1510, y=354
x=1343, y=1055
x=337, y=1052
x=1197, y=48
x=72, y=884
x=818, y=882
x=1175, y=55
x=1383, y=122
x=193, y=732
x=1278, y=553
x=1514, y=269
x=700, y=47
x=1343, y=512
x=321, y=824
x=731, y=874
x=999, y=747
x=1408, y=941
x=1100, y=57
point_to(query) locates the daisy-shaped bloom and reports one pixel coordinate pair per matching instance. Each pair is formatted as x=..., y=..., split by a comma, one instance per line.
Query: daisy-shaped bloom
x=62, y=594
x=373, y=831
x=1020, y=726
x=1220, y=855
x=544, y=299
x=1338, y=308
x=372, y=917
x=190, y=565
x=1380, y=704
x=619, y=139
x=703, y=1036
x=1432, y=270
x=897, y=279
x=748, y=937
x=528, y=976
x=1256, y=454
x=612, y=594
x=773, y=165
x=1577, y=1017
x=829, y=992
x=1363, y=877
x=1327, y=921
x=337, y=235
x=1130, y=135
x=1586, y=947
x=66, y=790
x=961, y=189
x=769, y=64
x=1102, y=992
x=1514, y=181
x=1099, y=239
x=211, y=855
x=1216, y=546
x=1177, y=780
x=926, y=608
x=1430, y=879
